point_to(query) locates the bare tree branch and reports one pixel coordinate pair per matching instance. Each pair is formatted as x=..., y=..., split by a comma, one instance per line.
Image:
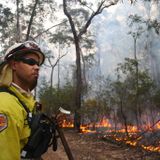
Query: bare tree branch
x=52, y=66
x=98, y=11
x=50, y=28
x=58, y=59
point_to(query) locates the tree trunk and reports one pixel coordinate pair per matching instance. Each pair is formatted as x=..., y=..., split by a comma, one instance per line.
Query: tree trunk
x=77, y=36
x=58, y=73
x=77, y=117
x=137, y=110
x=124, y=119
x=31, y=20
x=18, y=39
x=78, y=84
x=52, y=69
x=115, y=120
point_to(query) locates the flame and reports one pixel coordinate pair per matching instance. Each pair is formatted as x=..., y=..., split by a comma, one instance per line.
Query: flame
x=151, y=148
x=85, y=129
x=130, y=129
x=158, y=125
x=132, y=143
x=105, y=123
x=67, y=124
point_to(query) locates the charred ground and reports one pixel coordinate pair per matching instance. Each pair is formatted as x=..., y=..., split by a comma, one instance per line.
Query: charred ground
x=94, y=147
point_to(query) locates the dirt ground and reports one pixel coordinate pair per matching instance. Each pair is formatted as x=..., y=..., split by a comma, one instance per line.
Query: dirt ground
x=90, y=147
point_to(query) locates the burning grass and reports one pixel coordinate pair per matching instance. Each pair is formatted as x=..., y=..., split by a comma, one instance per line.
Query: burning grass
x=147, y=139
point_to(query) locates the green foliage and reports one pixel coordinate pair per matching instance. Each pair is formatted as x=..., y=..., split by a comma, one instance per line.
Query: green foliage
x=128, y=67
x=132, y=19
x=9, y=27
x=128, y=70
x=6, y=26
x=142, y=22
x=6, y=16
x=90, y=110
x=145, y=83
x=133, y=88
x=80, y=13
x=154, y=24
x=89, y=60
x=156, y=98
x=53, y=98
x=93, y=110
x=61, y=37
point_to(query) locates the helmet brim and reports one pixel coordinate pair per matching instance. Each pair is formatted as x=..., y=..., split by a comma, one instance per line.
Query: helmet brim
x=30, y=51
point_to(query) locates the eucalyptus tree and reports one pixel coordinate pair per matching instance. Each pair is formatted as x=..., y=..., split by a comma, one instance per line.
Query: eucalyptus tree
x=127, y=76
x=151, y=26
x=78, y=31
x=28, y=20
x=61, y=40
x=7, y=27
x=146, y=25
x=136, y=33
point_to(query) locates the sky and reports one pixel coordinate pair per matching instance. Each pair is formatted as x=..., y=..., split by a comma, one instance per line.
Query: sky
x=112, y=40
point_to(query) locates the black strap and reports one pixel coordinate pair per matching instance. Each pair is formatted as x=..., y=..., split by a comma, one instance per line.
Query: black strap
x=29, y=114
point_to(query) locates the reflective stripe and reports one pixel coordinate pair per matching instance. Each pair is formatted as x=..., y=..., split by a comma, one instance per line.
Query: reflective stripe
x=23, y=153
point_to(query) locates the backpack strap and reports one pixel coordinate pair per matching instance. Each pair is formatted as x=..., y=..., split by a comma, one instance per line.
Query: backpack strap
x=29, y=114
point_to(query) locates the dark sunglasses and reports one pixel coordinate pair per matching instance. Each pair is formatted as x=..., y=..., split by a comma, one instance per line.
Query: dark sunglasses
x=29, y=61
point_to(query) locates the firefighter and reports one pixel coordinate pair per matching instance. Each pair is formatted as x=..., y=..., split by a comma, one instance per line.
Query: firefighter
x=19, y=73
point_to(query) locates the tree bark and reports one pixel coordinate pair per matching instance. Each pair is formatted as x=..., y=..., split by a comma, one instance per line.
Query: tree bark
x=137, y=111
x=18, y=39
x=78, y=68
x=124, y=118
x=31, y=20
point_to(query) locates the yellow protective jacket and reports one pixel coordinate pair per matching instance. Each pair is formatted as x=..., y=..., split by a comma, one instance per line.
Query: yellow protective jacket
x=14, y=129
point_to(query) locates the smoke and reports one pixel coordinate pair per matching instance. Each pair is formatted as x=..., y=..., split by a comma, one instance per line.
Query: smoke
x=113, y=42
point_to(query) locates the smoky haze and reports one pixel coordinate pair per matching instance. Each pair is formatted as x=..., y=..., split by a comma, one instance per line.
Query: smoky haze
x=113, y=43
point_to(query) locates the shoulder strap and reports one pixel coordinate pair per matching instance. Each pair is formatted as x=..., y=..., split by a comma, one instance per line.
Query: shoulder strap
x=29, y=114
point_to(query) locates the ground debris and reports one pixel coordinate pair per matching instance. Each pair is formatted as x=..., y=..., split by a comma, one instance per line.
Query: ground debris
x=92, y=147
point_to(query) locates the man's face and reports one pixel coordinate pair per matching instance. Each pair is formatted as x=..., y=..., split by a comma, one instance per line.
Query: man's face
x=26, y=71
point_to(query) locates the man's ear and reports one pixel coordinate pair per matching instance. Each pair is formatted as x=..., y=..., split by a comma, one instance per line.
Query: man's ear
x=12, y=64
